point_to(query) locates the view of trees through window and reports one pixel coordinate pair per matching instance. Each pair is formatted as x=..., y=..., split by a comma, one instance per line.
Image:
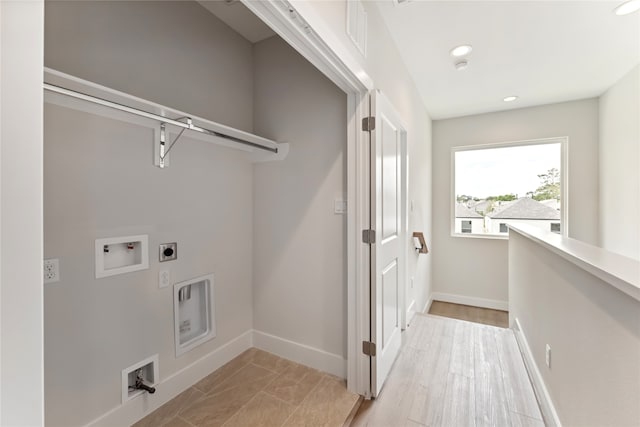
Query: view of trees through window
x=509, y=185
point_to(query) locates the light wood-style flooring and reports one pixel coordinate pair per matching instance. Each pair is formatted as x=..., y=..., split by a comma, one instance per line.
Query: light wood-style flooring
x=258, y=389
x=454, y=373
x=485, y=316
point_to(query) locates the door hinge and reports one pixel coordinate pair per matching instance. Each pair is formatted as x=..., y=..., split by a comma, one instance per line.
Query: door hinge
x=368, y=124
x=369, y=236
x=369, y=348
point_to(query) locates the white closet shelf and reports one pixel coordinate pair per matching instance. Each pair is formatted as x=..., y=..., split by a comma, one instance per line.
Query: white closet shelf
x=73, y=92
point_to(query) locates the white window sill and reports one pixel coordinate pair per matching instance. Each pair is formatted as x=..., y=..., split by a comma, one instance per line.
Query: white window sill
x=481, y=236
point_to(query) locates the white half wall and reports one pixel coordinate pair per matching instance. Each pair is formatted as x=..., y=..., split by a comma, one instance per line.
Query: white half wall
x=560, y=299
x=474, y=267
x=21, y=348
x=620, y=166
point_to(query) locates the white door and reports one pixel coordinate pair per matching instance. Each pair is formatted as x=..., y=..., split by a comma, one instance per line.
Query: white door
x=388, y=208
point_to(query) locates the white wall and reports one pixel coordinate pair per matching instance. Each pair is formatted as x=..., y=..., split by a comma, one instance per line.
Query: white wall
x=385, y=67
x=593, y=330
x=300, y=271
x=100, y=182
x=21, y=358
x=487, y=258
x=175, y=53
x=620, y=166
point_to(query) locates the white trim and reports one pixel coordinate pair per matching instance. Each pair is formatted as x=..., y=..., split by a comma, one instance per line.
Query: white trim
x=549, y=413
x=407, y=238
x=101, y=272
x=467, y=300
x=21, y=195
x=307, y=32
x=410, y=313
x=427, y=305
x=139, y=407
x=301, y=353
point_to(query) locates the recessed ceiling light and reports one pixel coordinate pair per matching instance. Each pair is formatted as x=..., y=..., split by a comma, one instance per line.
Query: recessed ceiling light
x=510, y=98
x=461, y=50
x=627, y=7
x=461, y=65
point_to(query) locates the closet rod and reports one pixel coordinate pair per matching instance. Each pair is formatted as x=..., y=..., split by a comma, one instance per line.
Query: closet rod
x=142, y=113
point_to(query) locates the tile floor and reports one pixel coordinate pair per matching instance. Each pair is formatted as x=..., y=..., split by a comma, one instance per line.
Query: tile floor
x=454, y=373
x=258, y=389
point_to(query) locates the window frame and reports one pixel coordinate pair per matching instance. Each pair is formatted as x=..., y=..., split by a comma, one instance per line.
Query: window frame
x=564, y=182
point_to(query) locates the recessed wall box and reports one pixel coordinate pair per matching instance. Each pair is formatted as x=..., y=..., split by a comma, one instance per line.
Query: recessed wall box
x=147, y=370
x=118, y=255
x=193, y=313
x=168, y=251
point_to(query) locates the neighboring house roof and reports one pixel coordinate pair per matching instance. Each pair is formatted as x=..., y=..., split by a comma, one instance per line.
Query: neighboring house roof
x=482, y=206
x=526, y=208
x=464, y=212
x=552, y=203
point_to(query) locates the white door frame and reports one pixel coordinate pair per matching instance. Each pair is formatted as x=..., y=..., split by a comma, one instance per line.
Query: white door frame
x=286, y=20
x=21, y=225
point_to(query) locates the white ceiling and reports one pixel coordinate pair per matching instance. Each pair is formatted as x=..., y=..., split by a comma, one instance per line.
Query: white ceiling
x=542, y=51
x=242, y=20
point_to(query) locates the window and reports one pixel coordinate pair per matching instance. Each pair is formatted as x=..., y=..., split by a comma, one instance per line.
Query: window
x=499, y=185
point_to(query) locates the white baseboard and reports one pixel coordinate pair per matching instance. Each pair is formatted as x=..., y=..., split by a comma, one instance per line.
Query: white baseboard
x=544, y=399
x=473, y=301
x=303, y=354
x=168, y=388
x=427, y=305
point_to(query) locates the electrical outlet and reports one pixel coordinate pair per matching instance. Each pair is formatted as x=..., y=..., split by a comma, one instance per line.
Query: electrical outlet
x=164, y=278
x=412, y=283
x=547, y=357
x=51, y=270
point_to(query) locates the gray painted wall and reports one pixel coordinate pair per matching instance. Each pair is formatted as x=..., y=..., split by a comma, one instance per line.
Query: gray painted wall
x=175, y=53
x=620, y=166
x=300, y=273
x=100, y=182
x=478, y=267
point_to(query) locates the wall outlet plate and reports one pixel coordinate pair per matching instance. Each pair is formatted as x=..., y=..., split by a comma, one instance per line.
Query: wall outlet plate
x=168, y=251
x=164, y=278
x=51, y=269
